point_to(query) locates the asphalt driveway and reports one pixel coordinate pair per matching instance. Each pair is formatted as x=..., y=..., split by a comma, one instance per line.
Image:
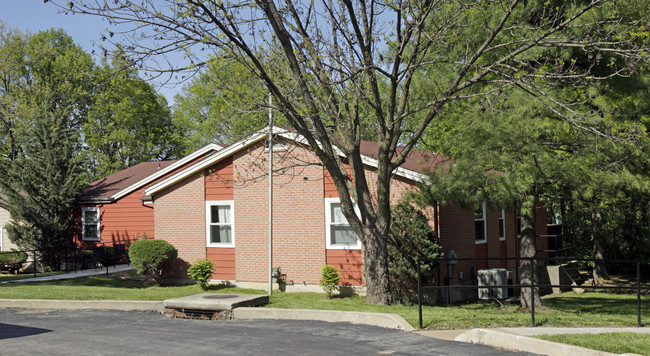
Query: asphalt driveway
x=101, y=332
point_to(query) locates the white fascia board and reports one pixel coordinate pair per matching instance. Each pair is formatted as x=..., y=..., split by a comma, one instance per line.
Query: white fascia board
x=255, y=137
x=162, y=172
x=221, y=154
x=369, y=161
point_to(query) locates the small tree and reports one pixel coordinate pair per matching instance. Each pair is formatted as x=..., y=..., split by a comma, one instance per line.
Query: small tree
x=152, y=258
x=201, y=271
x=329, y=279
x=410, y=238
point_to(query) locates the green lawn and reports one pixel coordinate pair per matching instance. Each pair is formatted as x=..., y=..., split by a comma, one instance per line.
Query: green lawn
x=618, y=343
x=569, y=309
x=125, y=287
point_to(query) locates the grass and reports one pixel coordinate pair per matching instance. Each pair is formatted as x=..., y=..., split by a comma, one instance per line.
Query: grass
x=119, y=287
x=568, y=309
x=618, y=343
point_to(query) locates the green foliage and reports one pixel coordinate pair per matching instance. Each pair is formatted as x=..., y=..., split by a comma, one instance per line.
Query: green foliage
x=410, y=239
x=152, y=258
x=128, y=121
x=44, y=101
x=201, y=271
x=12, y=261
x=222, y=104
x=329, y=279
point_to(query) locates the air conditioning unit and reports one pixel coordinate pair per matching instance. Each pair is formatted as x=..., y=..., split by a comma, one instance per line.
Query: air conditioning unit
x=493, y=277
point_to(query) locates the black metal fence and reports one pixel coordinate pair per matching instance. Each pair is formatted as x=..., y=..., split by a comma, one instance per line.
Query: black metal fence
x=533, y=286
x=77, y=257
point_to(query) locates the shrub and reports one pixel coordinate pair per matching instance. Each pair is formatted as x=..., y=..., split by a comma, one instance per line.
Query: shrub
x=410, y=238
x=12, y=261
x=329, y=279
x=201, y=271
x=152, y=258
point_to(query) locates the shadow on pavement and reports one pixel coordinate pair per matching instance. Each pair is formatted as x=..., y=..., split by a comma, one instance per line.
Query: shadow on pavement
x=8, y=331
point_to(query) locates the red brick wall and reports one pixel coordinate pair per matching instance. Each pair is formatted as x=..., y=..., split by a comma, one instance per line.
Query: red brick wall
x=298, y=215
x=180, y=220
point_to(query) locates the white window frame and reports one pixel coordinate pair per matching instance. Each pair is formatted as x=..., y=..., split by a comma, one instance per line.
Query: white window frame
x=208, y=205
x=83, y=223
x=502, y=225
x=484, y=240
x=328, y=230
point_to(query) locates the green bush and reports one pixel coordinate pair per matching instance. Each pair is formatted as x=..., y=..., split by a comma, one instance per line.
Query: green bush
x=152, y=258
x=410, y=238
x=329, y=279
x=201, y=271
x=12, y=261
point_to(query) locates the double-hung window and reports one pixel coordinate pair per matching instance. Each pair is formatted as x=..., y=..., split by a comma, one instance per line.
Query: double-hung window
x=90, y=221
x=502, y=225
x=220, y=224
x=479, y=223
x=339, y=234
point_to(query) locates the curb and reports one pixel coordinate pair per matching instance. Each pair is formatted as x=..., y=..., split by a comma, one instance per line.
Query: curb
x=515, y=342
x=126, y=305
x=390, y=321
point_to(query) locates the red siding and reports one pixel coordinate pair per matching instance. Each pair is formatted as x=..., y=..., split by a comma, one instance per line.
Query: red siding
x=349, y=264
x=219, y=184
x=127, y=219
x=224, y=258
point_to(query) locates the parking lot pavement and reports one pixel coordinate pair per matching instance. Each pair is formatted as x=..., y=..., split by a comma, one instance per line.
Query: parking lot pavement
x=102, y=332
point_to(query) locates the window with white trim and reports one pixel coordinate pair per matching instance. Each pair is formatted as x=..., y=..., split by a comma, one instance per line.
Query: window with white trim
x=502, y=225
x=338, y=232
x=479, y=223
x=220, y=223
x=91, y=224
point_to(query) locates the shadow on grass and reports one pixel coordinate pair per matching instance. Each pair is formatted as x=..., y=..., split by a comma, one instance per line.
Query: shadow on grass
x=599, y=304
x=99, y=281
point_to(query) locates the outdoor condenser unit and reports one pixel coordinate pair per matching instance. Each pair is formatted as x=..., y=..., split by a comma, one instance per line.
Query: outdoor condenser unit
x=493, y=277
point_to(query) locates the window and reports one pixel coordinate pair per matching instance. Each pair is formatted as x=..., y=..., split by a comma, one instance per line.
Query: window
x=220, y=220
x=90, y=221
x=518, y=220
x=502, y=225
x=479, y=223
x=338, y=232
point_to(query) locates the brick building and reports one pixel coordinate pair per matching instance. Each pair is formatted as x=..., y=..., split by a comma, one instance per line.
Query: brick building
x=214, y=204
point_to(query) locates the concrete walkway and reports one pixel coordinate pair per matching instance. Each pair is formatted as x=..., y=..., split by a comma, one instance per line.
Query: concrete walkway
x=82, y=273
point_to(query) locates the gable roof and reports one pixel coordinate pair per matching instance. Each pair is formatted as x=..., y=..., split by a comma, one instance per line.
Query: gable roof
x=416, y=162
x=117, y=185
x=104, y=189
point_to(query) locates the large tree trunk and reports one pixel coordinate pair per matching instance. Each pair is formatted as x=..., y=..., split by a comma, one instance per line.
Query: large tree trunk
x=599, y=271
x=375, y=268
x=527, y=268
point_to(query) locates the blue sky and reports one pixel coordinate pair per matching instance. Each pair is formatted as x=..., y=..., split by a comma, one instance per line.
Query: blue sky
x=34, y=15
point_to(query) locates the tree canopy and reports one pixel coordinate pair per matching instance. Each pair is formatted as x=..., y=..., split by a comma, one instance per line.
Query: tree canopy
x=338, y=58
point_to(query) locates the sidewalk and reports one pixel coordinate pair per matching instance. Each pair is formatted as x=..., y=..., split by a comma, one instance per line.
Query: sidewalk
x=83, y=273
x=520, y=339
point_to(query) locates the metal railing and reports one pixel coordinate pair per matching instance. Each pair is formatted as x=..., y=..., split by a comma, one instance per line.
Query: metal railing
x=68, y=255
x=533, y=286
